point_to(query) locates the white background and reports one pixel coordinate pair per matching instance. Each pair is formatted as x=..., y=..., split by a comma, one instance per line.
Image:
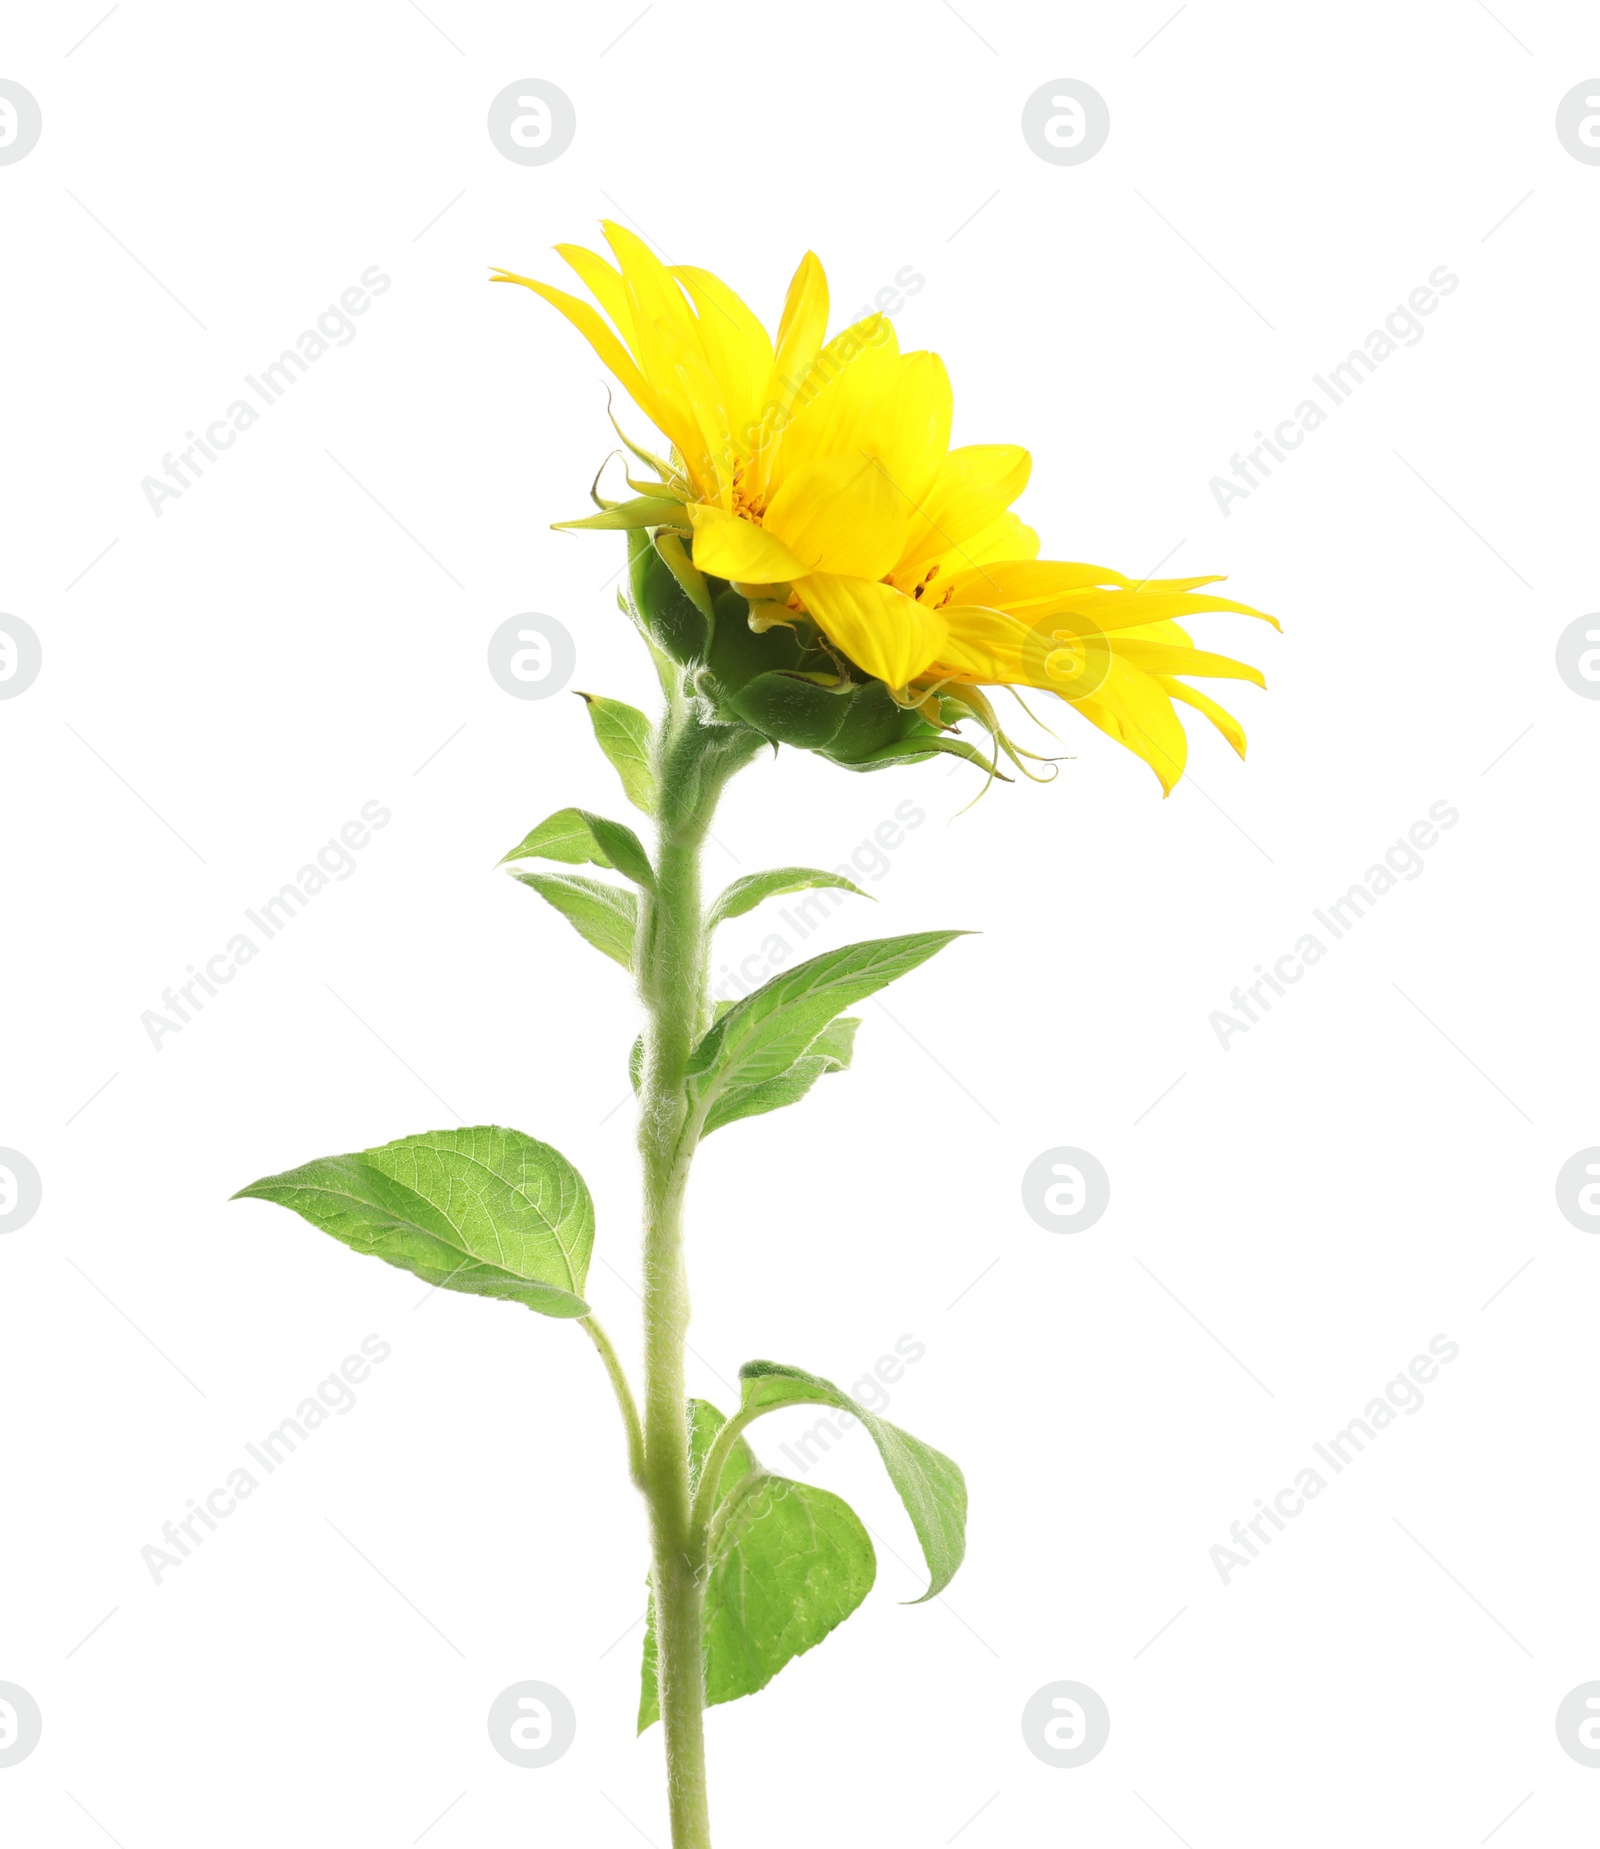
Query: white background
x=306, y=627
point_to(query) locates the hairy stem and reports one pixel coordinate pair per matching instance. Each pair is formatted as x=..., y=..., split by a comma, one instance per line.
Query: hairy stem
x=693, y=759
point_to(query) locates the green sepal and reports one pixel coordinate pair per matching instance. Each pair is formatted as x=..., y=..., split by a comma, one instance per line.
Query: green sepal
x=625, y=516
x=626, y=737
x=659, y=491
x=578, y=836
x=872, y=721
x=662, y=467
x=947, y=746
x=691, y=580
x=791, y=710
x=930, y=1484
x=484, y=1210
x=661, y=607
x=606, y=916
x=917, y=749
x=738, y=654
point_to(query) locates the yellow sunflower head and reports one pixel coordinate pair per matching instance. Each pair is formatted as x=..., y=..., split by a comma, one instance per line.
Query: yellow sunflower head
x=847, y=580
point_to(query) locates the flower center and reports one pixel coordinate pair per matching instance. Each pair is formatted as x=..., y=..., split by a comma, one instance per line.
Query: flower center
x=924, y=592
x=747, y=503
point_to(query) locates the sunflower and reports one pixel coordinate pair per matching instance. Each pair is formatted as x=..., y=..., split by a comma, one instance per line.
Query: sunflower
x=816, y=476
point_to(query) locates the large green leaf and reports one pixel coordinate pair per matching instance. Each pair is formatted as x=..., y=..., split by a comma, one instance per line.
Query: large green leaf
x=747, y=893
x=578, y=835
x=765, y=1033
x=625, y=736
x=605, y=915
x=792, y=1562
x=483, y=1210
x=829, y=1052
x=930, y=1484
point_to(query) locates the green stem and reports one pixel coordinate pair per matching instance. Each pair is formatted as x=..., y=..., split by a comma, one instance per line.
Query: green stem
x=693, y=759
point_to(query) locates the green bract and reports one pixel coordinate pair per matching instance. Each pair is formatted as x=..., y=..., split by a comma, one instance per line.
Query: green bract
x=785, y=682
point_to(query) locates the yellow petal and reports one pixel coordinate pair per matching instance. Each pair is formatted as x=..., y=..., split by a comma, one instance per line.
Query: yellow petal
x=1005, y=540
x=1163, y=658
x=604, y=284
x=663, y=327
x=915, y=437
x=972, y=487
x=802, y=327
x=737, y=348
x=1165, y=630
x=1219, y=716
x=711, y=461
x=845, y=403
x=882, y=630
x=981, y=644
x=1062, y=654
x=1135, y=711
x=1122, y=609
x=667, y=416
x=648, y=278
x=840, y=514
x=1021, y=583
x=728, y=547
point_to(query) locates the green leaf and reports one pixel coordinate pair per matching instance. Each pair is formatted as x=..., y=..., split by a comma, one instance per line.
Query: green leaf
x=791, y=1564
x=577, y=835
x=625, y=735
x=605, y=915
x=745, y=894
x=625, y=515
x=765, y=1033
x=566, y=835
x=930, y=1484
x=484, y=1210
x=829, y=1052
